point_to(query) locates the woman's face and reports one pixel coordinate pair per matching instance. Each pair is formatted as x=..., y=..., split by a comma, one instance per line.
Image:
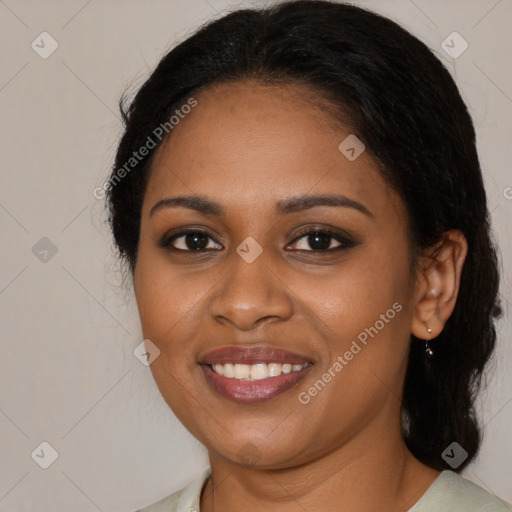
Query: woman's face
x=304, y=261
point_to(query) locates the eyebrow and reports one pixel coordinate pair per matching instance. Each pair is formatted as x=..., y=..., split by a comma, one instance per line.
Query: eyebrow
x=291, y=205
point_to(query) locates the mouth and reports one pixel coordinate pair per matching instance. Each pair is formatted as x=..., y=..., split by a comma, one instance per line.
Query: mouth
x=253, y=374
x=258, y=371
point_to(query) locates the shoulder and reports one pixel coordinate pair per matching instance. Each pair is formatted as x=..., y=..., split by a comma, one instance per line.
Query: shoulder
x=453, y=493
x=168, y=504
x=184, y=500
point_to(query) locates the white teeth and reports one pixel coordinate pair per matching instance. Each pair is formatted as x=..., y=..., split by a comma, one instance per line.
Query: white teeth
x=229, y=370
x=242, y=371
x=256, y=371
x=274, y=369
x=259, y=371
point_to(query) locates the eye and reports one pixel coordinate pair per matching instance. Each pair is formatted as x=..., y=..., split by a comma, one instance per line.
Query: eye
x=190, y=240
x=322, y=240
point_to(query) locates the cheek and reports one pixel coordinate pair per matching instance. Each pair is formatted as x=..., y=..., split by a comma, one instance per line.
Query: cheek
x=359, y=291
x=172, y=305
x=364, y=311
x=165, y=296
x=167, y=317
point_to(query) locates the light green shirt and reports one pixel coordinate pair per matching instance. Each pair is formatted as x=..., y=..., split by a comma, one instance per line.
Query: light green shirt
x=449, y=493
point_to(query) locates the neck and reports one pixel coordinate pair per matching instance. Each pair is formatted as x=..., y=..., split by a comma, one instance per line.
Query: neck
x=363, y=475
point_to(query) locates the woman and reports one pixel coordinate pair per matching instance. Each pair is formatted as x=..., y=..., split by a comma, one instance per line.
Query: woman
x=299, y=199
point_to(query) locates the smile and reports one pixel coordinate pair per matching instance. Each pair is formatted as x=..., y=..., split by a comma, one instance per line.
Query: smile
x=254, y=374
x=258, y=371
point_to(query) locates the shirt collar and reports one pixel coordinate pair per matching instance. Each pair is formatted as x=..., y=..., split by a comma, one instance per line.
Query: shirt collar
x=191, y=496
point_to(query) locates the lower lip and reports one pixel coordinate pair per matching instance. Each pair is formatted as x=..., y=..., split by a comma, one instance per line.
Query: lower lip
x=253, y=391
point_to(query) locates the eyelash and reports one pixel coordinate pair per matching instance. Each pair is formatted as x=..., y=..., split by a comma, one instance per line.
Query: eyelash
x=345, y=242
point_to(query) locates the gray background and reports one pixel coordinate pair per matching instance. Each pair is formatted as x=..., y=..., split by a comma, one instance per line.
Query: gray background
x=68, y=375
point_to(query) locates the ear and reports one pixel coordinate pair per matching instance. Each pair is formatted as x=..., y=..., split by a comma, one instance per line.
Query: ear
x=438, y=280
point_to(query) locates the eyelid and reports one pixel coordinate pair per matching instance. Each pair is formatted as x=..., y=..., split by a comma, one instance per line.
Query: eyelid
x=345, y=240
x=166, y=240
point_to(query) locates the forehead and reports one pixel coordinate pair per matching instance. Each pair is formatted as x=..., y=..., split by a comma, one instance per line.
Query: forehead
x=256, y=142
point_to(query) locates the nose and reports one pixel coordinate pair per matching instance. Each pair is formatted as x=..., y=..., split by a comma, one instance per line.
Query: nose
x=251, y=294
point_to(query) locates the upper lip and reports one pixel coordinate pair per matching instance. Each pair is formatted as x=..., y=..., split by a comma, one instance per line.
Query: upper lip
x=251, y=355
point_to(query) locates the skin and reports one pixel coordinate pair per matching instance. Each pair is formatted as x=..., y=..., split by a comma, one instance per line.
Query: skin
x=247, y=146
